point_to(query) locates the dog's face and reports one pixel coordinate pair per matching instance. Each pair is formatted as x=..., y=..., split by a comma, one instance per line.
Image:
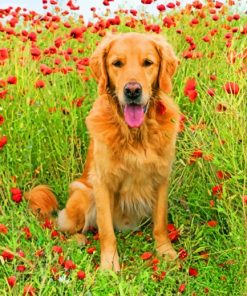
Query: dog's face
x=132, y=66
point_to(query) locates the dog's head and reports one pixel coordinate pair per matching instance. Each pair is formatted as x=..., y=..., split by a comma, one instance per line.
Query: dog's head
x=133, y=66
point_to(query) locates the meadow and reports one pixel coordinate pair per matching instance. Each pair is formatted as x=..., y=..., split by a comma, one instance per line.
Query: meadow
x=46, y=91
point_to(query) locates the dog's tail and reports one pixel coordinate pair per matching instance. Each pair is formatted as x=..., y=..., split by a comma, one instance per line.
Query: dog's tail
x=42, y=201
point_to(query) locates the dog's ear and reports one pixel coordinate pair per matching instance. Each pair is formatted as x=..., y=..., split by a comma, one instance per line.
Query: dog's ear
x=168, y=62
x=98, y=63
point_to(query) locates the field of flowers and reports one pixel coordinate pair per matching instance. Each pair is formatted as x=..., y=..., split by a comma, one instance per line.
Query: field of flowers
x=46, y=91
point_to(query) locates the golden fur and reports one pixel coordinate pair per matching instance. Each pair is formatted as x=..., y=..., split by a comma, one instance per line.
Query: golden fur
x=127, y=169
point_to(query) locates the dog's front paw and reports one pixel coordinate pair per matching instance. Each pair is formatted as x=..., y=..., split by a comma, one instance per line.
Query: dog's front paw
x=110, y=261
x=166, y=251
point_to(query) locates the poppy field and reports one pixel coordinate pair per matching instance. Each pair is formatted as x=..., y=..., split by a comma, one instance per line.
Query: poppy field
x=46, y=91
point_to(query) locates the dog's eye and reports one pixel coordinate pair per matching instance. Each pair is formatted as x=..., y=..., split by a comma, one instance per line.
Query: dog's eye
x=147, y=63
x=117, y=64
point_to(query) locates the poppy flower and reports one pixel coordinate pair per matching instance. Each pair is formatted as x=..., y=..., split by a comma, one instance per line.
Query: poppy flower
x=193, y=272
x=1, y=119
x=213, y=77
x=12, y=80
x=212, y=223
x=146, y=255
x=57, y=249
x=7, y=255
x=81, y=275
x=170, y=5
x=11, y=281
x=182, y=254
x=77, y=33
x=197, y=153
x=211, y=92
x=27, y=232
x=3, y=229
x=218, y=4
x=206, y=39
x=244, y=198
x=69, y=264
x=168, y=22
x=16, y=195
x=181, y=288
x=40, y=84
x=4, y=54
x=231, y=88
x=21, y=268
x=217, y=189
x=3, y=93
x=161, y=7
x=72, y=6
x=29, y=290
x=35, y=52
x=147, y=1
x=45, y=70
x=91, y=250
x=32, y=36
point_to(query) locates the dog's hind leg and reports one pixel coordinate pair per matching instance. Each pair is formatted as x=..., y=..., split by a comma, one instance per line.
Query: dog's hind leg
x=79, y=210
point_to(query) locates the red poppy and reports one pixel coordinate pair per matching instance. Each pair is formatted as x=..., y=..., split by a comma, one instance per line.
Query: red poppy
x=29, y=290
x=147, y=1
x=146, y=255
x=40, y=84
x=57, y=249
x=181, y=288
x=182, y=254
x=16, y=195
x=1, y=119
x=21, y=268
x=217, y=189
x=161, y=7
x=12, y=80
x=170, y=5
x=69, y=264
x=218, y=4
x=211, y=92
x=244, y=198
x=206, y=39
x=3, y=54
x=27, y=231
x=193, y=272
x=3, y=93
x=81, y=275
x=11, y=281
x=197, y=153
x=3, y=229
x=72, y=6
x=7, y=255
x=231, y=88
x=35, y=52
x=212, y=223
x=45, y=69
x=77, y=32
x=91, y=250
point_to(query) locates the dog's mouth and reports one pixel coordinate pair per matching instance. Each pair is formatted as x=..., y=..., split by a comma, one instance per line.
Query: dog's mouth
x=134, y=114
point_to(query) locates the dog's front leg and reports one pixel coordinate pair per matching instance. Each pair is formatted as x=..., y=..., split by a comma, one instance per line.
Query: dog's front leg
x=108, y=244
x=160, y=220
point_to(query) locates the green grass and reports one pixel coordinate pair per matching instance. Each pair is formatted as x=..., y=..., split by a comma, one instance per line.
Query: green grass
x=50, y=147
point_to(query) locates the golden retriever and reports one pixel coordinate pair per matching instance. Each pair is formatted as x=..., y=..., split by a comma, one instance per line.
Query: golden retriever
x=133, y=127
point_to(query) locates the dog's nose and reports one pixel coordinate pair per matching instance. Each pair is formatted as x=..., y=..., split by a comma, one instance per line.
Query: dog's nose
x=132, y=90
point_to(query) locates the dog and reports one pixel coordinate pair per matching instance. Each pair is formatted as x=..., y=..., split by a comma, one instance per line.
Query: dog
x=133, y=127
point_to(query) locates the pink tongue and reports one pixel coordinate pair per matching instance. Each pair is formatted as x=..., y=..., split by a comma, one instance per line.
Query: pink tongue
x=133, y=115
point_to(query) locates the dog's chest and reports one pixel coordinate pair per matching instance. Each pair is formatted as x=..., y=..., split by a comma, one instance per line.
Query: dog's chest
x=137, y=178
